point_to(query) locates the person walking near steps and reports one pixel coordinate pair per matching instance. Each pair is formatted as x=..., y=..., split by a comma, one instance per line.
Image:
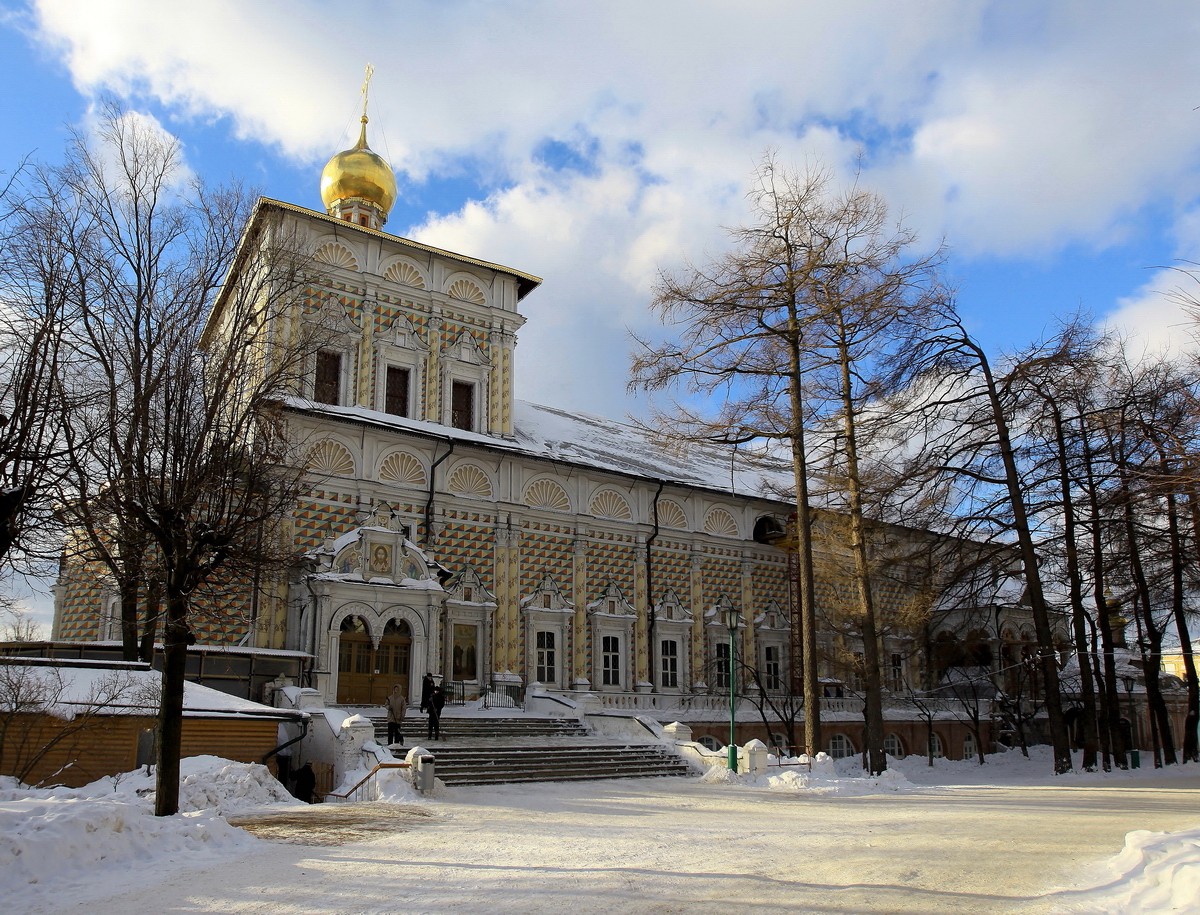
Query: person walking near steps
x=437, y=700
x=397, y=705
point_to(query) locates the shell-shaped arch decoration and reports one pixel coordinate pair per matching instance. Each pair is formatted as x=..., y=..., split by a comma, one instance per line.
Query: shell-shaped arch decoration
x=720, y=523
x=329, y=458
x=335, y=255
x=469, y=480
x=547, y=494
x=466, y=291
x=401, y=467
x=608, y=504
x=670, y=514
x=405, y=274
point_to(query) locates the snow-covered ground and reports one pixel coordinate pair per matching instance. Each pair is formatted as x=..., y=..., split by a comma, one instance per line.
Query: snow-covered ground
x=955, y=837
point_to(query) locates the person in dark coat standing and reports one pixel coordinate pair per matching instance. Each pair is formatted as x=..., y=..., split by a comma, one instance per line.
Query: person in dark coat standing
x=306, y=781
x=426, y=691
x=437, y=700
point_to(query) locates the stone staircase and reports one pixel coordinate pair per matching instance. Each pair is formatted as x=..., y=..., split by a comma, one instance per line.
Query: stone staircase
x=553, y=762
x=475, y=729
x=502, y=750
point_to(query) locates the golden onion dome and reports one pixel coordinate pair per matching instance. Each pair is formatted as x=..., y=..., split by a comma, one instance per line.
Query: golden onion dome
x=359, y=173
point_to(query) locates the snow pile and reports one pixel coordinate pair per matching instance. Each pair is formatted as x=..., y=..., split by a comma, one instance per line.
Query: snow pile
x=1156, y=872
x=66, y=833
x=65, y=838
x=211, y=783
x=820, y=774
x=395, y=787
x=796, y=779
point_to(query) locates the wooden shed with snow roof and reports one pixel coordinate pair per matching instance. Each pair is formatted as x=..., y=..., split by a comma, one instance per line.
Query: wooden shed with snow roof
x=72, y=722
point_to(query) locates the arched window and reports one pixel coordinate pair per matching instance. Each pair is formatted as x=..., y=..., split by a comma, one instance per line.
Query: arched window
x=893, y=746
x=840, y=746
x=935, y=746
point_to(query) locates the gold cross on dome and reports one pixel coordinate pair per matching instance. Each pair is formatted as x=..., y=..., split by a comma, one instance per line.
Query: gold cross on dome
x=366, y=84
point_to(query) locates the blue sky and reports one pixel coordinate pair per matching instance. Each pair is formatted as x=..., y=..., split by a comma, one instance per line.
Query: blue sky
x=1054, y=146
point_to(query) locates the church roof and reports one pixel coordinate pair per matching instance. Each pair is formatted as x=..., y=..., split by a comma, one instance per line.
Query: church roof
x=585, y=440
x=526, y=282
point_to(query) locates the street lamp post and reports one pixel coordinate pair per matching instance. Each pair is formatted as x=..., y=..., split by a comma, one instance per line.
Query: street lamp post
x=1135, y=754
x=731, y=623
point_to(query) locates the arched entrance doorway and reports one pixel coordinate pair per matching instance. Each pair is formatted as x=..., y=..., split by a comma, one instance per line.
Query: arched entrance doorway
x=366, y=674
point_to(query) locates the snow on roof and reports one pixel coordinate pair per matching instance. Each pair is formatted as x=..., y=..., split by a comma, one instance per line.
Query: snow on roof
x=67, y=644
x=62, y=689
x=604, y=444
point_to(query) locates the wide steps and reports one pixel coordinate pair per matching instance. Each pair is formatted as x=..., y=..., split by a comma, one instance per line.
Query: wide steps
x=479, y=765
x=488, y=750
x=454, y=728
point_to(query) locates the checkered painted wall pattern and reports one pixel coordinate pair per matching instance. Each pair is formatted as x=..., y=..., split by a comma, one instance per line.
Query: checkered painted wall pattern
x=770, y=583
x=541, y=554
x=721, y=577
x=607, y=561
x=316, y=519
x=672, y=570
x=464, y=543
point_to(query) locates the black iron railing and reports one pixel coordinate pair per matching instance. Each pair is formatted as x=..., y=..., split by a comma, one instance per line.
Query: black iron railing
x=504, y=695
x=456, y=692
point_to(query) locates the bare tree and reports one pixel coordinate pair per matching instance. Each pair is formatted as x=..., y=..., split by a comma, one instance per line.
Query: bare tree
x=970, y=439
x=37, y=307
x=186, y=335
x=20, y=627
x=788, y=327
x=742, y=324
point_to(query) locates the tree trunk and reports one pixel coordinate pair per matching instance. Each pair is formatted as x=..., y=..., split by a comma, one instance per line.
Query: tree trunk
x=1047, y=656
x=1108, y=680
x=1178, y=599
x=1086, y=685
x=1149, y=635
x=804, y=551
x=873, y=706
x=170, y=713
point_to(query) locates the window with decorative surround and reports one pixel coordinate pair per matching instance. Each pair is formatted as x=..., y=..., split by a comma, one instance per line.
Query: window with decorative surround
x=327, y=380
x=669, y=660
x=610, y=653
x=462, y=405
x=547, y=658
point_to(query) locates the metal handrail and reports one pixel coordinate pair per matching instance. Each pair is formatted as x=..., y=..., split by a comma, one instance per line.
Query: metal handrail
x=366, y=778
x=456, y=692
x=506, y=695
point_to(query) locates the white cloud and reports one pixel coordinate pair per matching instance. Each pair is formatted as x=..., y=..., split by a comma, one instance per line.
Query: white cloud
x=1014, y=128
x=1161, y=317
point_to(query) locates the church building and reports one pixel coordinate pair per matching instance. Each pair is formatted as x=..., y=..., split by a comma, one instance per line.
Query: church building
x=453, y=529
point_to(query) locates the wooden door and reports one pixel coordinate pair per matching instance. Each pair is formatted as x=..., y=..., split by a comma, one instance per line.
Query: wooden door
x=366, y=674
